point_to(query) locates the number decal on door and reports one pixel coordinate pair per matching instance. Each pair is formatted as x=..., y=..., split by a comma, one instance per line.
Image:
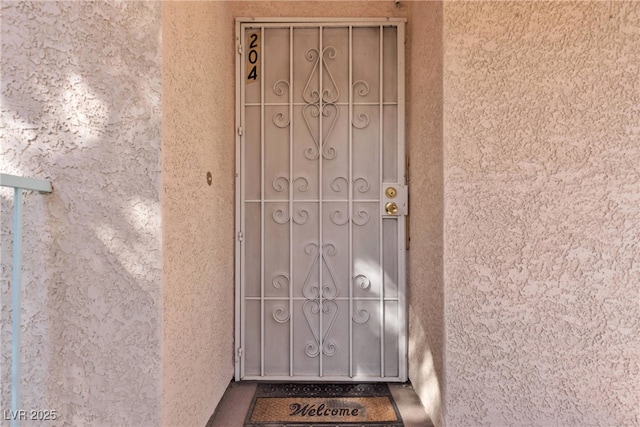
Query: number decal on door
x=253, y=57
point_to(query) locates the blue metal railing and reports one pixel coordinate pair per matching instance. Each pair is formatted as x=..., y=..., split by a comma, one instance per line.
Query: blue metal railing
x=19, y=184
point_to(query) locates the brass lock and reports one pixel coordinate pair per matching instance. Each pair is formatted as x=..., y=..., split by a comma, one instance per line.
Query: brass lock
x=391, y=192
x=391, y=208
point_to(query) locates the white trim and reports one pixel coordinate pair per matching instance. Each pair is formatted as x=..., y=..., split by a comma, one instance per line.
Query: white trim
x=327, y=378
x=324, y=21
x=25, y=183
x=403, y=307
x=350, y=197
x=239, y=227
x=19, y=184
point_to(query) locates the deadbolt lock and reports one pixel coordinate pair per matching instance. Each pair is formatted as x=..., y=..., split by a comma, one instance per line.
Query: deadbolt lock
x=391, y=208
x=391, y=192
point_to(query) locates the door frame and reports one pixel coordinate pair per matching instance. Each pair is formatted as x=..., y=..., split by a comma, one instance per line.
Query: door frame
x=266, y=22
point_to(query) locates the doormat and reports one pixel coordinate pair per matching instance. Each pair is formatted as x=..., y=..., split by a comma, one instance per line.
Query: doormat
x=335, y=405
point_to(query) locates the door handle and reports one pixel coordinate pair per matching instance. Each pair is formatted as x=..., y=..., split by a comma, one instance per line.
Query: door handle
x=391, y=208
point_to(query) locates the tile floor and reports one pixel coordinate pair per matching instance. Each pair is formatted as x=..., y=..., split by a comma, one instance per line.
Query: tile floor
x=233, y=407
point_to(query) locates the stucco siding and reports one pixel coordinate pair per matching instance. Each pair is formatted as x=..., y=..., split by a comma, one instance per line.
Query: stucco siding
x=424, y=143
x=80, y=101
x=198, y=218
x=542, y=213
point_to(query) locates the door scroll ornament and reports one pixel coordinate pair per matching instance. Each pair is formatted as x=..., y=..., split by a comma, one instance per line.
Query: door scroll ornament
x=281, y=182
x=359, y=184
x=361, y=315
x=361, y=120
x=280, y=281
x=279, y=119
x=300, y=216
x=311, y=307
x=339, y=217
x=317, y=104
x=362, y=282
x=280, y=315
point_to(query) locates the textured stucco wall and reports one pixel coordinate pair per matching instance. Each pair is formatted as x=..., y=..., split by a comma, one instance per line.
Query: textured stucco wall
x=198, y=137
x=80, y=103
x=424, y=143
x=542, y=213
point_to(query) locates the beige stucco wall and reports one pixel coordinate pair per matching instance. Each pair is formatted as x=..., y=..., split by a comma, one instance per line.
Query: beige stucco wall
x=198, y=219
x=80, y=106
x=198, y=136
x=424, y=144
x=542, y=213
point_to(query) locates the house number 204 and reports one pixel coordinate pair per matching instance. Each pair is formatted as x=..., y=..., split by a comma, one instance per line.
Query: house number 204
x=253, y=57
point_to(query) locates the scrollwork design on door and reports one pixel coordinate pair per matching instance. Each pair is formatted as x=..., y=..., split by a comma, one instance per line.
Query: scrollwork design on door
x=336, y=183
x=279, y=119
x=361, y=316
x=280, y=281
x=281, y=183
x=340, y=217
x=360, y=120
x=300, y=216
x=317, y=104
x=312, y=95
x=280, y=315
x=311, y=307
x=360, y=184
x=278, y=87
x=330, y=309
x=280, y=216
x=363, y=282
x=361, y=217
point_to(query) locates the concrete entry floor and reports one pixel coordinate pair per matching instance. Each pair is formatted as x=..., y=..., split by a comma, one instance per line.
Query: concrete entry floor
x=233, y=407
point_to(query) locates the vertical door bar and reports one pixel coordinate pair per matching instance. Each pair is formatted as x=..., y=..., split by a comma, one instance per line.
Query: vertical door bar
x=291, y=179
x=240, y=335
x=320, y=196
x=381, y=180
x=350, y=196
x=262, y=195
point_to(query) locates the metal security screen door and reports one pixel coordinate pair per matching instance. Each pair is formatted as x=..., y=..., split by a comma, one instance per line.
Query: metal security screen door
x=320, y=200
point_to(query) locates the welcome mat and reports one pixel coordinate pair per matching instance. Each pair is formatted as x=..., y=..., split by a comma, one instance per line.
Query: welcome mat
x=336, y=405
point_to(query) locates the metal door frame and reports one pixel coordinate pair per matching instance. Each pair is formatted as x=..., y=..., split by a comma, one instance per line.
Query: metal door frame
x=399, y=23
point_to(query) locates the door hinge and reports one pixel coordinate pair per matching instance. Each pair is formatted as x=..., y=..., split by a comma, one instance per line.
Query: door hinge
x=240, y=236
x=406, y=170
x=239, y=353
x=240, y=130
x=240, y=49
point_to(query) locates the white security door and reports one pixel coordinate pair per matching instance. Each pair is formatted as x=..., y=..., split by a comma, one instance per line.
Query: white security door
x=321, y=201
